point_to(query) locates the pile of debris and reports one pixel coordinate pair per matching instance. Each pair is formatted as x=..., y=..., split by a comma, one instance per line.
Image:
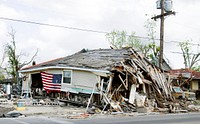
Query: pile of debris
x=136, y=84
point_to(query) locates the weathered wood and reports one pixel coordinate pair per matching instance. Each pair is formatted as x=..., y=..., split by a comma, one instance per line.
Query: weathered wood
x=90, y=99
x=132, y=94
x=126, y=79
x=110, y=98
x=138, y=71
x=123, y=82
x=109, y=84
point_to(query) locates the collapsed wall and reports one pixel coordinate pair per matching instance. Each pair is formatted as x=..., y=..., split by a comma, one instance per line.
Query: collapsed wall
x=134, y=81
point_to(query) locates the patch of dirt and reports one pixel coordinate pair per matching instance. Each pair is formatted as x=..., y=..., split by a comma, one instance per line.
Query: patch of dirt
x=5, y=110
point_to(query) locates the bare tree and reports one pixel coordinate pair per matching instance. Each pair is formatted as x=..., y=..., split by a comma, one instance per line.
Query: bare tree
x=190, y=60
x=14, y=62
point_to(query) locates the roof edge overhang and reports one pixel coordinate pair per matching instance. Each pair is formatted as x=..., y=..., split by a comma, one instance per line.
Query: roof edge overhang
x=61, y=67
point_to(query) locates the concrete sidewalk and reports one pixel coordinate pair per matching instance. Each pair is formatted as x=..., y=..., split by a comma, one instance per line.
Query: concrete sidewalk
x=50, y=110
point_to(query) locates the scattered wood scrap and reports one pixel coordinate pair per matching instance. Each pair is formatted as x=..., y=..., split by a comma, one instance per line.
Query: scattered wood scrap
x=136, y=80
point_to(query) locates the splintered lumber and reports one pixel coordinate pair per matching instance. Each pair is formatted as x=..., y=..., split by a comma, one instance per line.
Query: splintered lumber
x=129, y=69
x=138, y=76
x=90, y=99
x=116, y=106
x=147, y=81
x=109, y=84
x=126, y=79
x=107, y=100
x=132, y=94
x=139, y=61
x=123, y=82
x=133, y=64
x=140, y=80
x=139, y=64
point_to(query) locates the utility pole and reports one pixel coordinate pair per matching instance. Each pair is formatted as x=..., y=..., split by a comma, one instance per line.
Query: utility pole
x=161, y=34
x=164, y=5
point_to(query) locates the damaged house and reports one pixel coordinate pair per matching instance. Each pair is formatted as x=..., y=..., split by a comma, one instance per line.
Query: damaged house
x=119, y=78
x=187, y=79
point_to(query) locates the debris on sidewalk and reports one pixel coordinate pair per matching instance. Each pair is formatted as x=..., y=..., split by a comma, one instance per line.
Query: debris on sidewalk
x=78, y=116
x=14, y=114
x=134, y=82
x=5, y=109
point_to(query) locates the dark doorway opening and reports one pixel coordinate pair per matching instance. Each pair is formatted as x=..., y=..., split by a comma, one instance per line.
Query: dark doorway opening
x=37, y=86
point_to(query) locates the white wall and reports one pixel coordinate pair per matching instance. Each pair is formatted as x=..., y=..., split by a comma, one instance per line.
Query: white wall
x=195, y=85
x=83, y=78
x=80, y=79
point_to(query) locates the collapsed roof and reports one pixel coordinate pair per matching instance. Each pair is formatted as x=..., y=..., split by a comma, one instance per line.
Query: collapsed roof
x=101, y=59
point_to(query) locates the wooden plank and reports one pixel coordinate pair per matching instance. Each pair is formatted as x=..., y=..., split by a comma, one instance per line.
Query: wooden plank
x=123, y=81
x=132, y=94
x=109, y=84
x=90, y=99
x=126, y=79
x=110, y=98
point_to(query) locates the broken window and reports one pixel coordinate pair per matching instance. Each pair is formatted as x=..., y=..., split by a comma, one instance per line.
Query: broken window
x=67, y=77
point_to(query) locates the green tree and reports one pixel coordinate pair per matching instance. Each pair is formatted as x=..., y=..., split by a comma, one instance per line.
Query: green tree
x=119, y=39
x=190, y=60
x=135, y=42
x=153, y=49
x=150, y=26
x=14, y=62
x=196, y=68
x=1, y=71
x=2, y=77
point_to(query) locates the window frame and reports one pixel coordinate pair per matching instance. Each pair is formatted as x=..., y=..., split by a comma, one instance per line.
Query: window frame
x=64, y=77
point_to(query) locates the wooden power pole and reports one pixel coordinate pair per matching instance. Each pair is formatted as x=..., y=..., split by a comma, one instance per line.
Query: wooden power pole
x=161, y=16
x=161, y=34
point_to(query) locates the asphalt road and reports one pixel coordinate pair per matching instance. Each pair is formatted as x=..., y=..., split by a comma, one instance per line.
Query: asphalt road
x=188, y=118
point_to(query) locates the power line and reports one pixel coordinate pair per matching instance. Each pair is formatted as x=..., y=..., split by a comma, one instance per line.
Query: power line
x=52, y=25
x=195, y=44
x=182, y=53
x=79, y=29
x=66, y=27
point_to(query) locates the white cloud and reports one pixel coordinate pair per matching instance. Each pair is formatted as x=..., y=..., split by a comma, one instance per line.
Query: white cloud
x=101, y=15
x=7, y=11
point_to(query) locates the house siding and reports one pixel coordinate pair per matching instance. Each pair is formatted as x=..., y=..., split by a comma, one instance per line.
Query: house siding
x=195, y=85
x=82, y=79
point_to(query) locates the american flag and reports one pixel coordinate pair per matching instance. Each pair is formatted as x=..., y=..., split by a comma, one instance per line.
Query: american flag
x=51, y=82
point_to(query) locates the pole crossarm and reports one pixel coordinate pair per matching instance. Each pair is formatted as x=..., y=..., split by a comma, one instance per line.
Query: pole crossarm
x=165, y=14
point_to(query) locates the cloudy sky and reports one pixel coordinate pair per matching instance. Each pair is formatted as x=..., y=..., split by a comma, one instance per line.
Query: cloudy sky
x=93, y=15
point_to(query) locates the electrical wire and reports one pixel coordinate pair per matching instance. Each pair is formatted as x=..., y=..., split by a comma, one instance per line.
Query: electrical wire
x=79, y=29
x=52, y=25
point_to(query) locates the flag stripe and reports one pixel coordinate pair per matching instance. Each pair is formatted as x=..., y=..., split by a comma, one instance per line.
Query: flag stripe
x=51, y=85
x=51, y=82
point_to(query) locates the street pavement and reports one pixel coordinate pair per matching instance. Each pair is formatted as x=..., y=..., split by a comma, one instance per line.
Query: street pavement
x=186, y=118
